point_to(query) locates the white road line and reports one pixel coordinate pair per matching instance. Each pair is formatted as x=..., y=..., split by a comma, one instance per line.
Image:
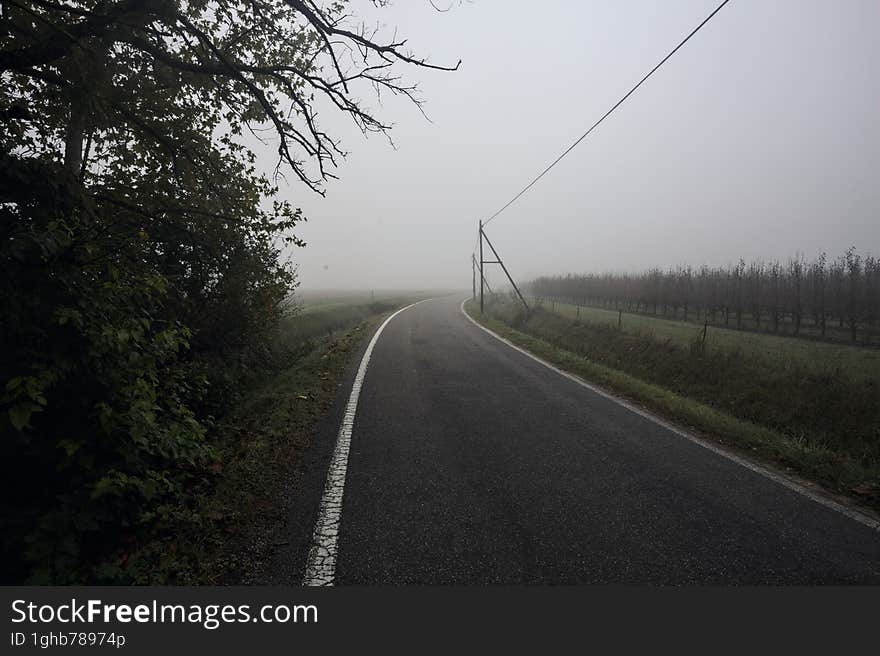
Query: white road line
x=862, y=518
x=321, y=564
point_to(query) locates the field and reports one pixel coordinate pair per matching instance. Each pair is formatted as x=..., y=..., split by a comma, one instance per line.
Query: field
x=813, y=355
x=810, y=407
x=320, y=314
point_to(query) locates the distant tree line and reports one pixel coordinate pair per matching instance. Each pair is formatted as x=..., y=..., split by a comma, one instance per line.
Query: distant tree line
x=828, y=298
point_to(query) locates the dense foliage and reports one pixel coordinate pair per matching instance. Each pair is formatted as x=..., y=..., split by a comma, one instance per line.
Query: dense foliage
x=140, y=247
x=838, y=298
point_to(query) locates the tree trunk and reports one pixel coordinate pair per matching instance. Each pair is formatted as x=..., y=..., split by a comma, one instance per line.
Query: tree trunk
x=74, y=136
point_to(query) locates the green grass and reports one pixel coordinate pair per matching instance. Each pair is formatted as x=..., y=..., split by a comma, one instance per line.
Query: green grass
x=824, y=426
x=263, y=441
x=321, y=316
x=324, y=322
x=784, y=351
x=310, y=302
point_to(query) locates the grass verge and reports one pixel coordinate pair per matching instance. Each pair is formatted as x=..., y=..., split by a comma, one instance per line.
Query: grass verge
x=721, y=395
x=783, y=350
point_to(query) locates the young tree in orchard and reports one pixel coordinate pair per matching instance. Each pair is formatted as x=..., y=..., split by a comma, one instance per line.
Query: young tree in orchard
x=140, y=245
x=777, y=297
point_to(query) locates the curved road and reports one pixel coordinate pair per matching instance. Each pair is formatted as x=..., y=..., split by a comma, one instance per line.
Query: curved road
x=472, y=463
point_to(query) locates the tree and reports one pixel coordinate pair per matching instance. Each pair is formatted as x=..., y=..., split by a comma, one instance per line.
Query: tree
x=854, y=275
x=739, y=272
x=141, y=246
x=819, y=277
x=796, y=272
x=845, y=288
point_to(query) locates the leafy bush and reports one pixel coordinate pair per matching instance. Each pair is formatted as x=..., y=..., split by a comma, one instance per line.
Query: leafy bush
x=141, y=264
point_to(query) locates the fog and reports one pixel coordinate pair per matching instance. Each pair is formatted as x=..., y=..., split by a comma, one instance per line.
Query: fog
x=759, y=139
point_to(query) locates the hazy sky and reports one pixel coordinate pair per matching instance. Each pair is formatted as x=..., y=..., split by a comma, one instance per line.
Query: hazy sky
x=759, y=139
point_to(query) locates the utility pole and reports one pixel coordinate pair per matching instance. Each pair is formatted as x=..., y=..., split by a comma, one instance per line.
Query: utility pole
x=497, y=260
x=474, y=276
x=482, y=277
x=485, y=282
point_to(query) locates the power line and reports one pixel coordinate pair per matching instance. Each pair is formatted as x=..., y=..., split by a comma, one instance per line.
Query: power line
x=607, y=114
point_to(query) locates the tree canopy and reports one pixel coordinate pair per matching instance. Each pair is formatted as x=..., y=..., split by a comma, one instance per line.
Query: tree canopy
x=141, y=243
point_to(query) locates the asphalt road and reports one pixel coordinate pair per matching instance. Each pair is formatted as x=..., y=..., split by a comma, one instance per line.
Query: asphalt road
x=471, y=463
